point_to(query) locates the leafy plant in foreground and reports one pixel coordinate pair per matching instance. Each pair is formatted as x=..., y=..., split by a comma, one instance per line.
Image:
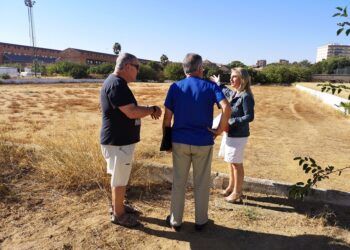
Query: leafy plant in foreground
x=344, y=25
x=326, y=87
x=309, y=165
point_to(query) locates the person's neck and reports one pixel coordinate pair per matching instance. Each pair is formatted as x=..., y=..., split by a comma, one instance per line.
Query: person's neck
x=194, y=74
x=121, y=75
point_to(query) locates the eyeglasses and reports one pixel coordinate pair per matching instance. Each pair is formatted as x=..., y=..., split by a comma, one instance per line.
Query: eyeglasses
x=136, y=66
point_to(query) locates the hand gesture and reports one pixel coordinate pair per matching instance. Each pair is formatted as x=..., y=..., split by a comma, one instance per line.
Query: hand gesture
x=157, y=113
x=215, y=78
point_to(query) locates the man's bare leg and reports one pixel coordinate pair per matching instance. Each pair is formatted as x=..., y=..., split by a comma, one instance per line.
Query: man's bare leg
x=118, y=194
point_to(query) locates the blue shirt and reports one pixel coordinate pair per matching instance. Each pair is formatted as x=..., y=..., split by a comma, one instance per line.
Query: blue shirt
x=191, y=100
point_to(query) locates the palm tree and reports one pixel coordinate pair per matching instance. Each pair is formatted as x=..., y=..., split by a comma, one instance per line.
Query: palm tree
x=117, y=48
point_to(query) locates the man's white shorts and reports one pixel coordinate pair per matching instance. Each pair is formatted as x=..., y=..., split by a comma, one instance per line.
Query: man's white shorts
x=232, y=148
x=119, y=162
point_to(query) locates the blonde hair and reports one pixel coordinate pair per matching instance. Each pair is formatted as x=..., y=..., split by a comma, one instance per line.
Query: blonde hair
x=245, y=79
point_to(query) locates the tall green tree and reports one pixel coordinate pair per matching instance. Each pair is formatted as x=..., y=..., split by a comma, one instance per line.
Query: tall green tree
x=235, y=64
x=164, y=60
x=174, y=71
x=155, y=65
x=147, y=73
x=117, y=48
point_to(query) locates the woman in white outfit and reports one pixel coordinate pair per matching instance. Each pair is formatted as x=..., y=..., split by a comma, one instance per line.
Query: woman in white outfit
x=234, y=141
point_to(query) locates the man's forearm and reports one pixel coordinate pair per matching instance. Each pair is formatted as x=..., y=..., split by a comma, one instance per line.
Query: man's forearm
x=136, y=112
x=168, y=115
x=226, y=112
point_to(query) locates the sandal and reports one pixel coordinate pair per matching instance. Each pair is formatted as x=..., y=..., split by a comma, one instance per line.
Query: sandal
x=235, y=199
x=226, y=192
x=125, y=220
x=131, y=210
x=128, y=209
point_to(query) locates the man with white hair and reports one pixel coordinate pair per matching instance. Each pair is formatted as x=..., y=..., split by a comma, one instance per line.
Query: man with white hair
x=120, y=131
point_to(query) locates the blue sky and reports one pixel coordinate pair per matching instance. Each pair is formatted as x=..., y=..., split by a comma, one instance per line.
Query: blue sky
x=221, y=30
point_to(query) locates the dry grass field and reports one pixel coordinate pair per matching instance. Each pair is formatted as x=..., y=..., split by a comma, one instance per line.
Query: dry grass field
x=288, y=123
x=52, y=175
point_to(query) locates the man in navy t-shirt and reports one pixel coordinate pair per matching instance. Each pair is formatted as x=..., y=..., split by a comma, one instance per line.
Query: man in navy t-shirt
x=120, y=131
x=191, y=102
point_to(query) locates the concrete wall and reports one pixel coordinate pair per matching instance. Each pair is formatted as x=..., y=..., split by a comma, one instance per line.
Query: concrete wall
x=328, y=99
x=9, y=71
x=49, y=81
x=330, y=78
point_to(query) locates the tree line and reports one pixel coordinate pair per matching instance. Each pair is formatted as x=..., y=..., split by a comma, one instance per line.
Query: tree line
x=165, y=70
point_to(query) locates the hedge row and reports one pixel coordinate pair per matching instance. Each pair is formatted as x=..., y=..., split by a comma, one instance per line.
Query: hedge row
x=154, y=71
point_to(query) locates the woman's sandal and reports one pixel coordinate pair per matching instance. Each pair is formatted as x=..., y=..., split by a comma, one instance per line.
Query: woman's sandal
x=236, y=199
x=125, y=220
x=226, y=192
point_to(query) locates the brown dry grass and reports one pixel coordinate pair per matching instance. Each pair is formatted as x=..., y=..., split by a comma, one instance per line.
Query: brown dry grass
x=52, y=150
x=288, y=123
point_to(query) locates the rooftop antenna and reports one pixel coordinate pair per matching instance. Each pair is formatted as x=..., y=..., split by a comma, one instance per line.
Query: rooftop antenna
x=30, y=4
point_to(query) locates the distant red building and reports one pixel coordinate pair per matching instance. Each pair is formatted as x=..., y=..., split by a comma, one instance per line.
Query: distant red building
x=15, y=53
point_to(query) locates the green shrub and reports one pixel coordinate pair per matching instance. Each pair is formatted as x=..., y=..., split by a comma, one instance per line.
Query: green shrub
x=282, y=73
x=102, y=69
x=210, y=70
x=146, y=73
x=256, y=76
x=156, y=66
x=174, y=71
x=332, y=65
x=79, y=71
x=41, y=68
x=215, y=70
x=235, y=64
x=5, y=76
x=278, y=73
x=302, y=73
x=68, y=69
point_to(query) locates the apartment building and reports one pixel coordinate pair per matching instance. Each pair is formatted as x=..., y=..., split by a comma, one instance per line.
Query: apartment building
x=326, y=51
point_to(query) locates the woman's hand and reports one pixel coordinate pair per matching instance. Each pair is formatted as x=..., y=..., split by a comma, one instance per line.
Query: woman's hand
x=215, y=78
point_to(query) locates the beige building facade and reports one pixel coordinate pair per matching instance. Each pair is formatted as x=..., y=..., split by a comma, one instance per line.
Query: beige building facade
x=326, y=51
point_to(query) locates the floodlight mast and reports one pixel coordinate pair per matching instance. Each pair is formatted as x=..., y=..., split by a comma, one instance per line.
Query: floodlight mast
x=30, y=4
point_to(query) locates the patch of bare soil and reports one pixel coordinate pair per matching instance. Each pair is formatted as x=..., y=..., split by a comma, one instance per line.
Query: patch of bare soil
x=35, y=216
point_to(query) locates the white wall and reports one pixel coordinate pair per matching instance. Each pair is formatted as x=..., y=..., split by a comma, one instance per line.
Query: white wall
x=9, y=70
x=329, y=99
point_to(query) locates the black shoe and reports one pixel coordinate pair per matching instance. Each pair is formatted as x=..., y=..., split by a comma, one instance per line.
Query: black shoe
x=167, y=222
x=200, y=227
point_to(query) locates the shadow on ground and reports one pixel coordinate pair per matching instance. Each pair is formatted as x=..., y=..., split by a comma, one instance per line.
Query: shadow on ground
x=219, y=237
x=333, y=215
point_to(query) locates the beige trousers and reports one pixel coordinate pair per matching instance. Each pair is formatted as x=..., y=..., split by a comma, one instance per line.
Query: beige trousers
x=200, y=157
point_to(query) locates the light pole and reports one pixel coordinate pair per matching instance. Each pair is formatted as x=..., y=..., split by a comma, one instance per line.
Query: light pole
x=29, y=4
